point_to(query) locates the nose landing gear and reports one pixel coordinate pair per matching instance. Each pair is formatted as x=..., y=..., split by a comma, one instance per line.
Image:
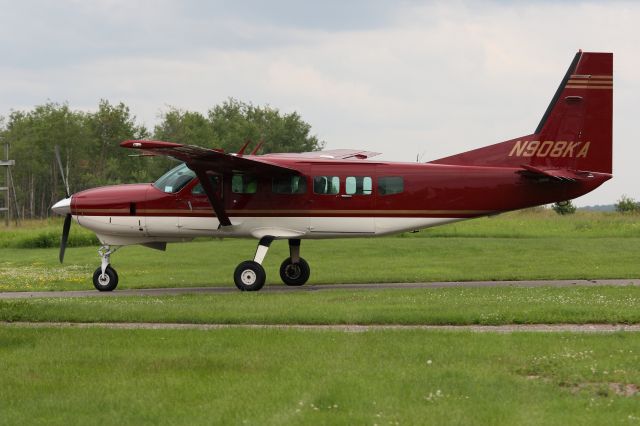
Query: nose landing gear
x=105, y=278
x=294, y=271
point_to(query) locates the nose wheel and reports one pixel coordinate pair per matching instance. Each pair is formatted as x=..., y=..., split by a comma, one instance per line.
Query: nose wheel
x=294, y=271
x=107, y=281
x=105, y=278
x=249, y=276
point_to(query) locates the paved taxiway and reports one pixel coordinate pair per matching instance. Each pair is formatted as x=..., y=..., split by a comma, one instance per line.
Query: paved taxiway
x=282, y=288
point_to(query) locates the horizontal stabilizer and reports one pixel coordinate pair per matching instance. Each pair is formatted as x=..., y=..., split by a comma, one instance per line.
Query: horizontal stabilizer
x=563, y=175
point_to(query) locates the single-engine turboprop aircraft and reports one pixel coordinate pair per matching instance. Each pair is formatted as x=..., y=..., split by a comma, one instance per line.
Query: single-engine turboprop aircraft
x=341, y=193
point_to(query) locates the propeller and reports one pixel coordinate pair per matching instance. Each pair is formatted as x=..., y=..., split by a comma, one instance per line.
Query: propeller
x=67, y=218
x=64, y=179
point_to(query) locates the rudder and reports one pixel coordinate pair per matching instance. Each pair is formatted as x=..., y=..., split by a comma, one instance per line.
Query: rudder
x=575, y=132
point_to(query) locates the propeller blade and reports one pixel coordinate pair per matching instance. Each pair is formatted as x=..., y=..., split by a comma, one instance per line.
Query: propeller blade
x=64, y=180
x=65, y=236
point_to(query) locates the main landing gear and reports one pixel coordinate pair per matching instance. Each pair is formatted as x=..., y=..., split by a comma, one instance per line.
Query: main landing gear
x=105, y=278
x=294, y=271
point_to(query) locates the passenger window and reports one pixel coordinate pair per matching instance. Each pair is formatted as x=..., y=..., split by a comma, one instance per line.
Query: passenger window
x=244, y=184
x=358, y=185
x=388, y=185
x=326, y=184
x=289, y=185
x=215, y=182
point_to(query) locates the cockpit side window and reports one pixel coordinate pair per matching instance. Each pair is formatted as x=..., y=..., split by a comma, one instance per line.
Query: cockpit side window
x=175, y=179
x=215, y=182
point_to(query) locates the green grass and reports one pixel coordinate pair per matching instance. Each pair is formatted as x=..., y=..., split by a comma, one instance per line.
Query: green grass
x=542, y=223
x=393, y=306
x=266, y=376
x=333, y=261
x=519, y=245
x=273, y=377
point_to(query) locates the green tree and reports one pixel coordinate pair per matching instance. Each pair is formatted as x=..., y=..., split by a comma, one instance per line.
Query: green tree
x=564, y=207
x=234, y=121
x=107, y=127
x=89, y=148
x=627, y=205
x=184, y=127
x=230, y=124
x=32, y=136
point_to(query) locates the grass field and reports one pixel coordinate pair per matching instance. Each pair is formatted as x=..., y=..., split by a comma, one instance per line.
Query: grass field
x=385, y=377
x=575, y=305
x=96, y=376
x=538, y=245
x=334, y=261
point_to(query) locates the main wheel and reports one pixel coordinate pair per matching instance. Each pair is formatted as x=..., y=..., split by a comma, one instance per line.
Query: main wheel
x=106, y=282
x=249, y=276
x=295, y=274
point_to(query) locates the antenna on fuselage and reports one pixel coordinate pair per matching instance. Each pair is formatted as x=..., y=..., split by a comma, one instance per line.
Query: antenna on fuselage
x=255, y=150
x=240, y=152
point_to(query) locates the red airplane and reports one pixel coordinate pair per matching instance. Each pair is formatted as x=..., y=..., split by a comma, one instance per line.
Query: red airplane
x=341, y=193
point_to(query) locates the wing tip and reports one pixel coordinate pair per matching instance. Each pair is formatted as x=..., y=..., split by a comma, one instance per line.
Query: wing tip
x=148, y=144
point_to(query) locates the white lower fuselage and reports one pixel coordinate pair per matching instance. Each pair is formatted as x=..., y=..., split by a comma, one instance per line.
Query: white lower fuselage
x=126, y=230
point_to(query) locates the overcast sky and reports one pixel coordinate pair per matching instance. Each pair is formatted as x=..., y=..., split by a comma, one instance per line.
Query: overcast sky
x=405, y=78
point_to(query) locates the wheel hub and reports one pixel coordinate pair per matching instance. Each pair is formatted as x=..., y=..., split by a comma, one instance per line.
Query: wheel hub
x=293, y=271
x=248, y=277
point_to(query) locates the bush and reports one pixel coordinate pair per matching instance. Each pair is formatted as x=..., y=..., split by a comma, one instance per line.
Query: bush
x=627, y=205
x=51, y=238
x=564, y=207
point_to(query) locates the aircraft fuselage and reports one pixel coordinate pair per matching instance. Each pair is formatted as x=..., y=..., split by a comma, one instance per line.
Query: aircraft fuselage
x=357, y=204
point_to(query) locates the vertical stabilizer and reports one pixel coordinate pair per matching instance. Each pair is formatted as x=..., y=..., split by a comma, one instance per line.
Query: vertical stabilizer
x=575, y=132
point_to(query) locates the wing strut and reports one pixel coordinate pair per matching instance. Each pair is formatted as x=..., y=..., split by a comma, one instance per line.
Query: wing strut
x=214, y=199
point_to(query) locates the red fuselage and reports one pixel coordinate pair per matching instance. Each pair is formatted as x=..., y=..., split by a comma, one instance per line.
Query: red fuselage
x=430, y=191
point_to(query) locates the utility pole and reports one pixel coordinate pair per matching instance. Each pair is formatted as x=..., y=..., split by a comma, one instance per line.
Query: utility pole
x=6, y=163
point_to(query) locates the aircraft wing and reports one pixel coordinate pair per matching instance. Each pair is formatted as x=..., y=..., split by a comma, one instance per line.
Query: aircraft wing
x=204, y=161
x=207, y=159
x=340, y=154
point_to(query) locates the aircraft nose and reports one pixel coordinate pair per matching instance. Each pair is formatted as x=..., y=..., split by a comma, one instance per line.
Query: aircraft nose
x=62, y=207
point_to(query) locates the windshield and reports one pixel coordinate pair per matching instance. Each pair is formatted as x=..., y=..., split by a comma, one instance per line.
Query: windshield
x=175, y=179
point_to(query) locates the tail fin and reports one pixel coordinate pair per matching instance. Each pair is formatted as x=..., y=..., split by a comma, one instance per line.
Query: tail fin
x=575, y=132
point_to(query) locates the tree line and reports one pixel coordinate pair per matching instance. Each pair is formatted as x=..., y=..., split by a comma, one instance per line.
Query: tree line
x=91, y=155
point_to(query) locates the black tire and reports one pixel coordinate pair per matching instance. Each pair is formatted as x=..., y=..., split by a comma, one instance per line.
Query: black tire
x=295, y=274
x=249, y=276
x=107, y=283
